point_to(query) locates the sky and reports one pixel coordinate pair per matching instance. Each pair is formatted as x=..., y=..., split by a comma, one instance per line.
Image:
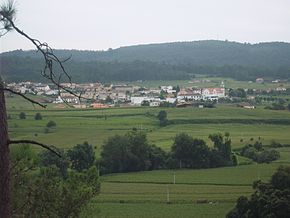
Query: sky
x=103, y=24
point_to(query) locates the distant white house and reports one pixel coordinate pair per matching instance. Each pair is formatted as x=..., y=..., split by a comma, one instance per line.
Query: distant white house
x=137, y=100
x=168, y=89
x=71, y=100
x=58, y=100
x=23, y=89
x=281, y=89
x=154, y=104
x=42, y=88
x=260, y=80
x=52, y=92
x=189, y=95
x=212, y=94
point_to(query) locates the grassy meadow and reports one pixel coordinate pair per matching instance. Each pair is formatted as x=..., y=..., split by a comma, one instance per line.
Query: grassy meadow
x=95, y=126
x=196, y=193
x=145, y=194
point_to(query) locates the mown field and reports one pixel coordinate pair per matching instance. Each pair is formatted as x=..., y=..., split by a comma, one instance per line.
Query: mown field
x=145, y=194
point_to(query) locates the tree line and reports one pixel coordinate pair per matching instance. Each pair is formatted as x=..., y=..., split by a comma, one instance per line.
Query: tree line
x=18, y=69
x=132, y=152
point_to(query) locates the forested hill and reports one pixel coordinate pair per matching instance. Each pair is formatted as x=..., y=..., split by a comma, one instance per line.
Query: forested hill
x=177, y=60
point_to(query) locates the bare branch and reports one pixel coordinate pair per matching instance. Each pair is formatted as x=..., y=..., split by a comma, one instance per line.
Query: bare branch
x=25, y=97
x=48, y=147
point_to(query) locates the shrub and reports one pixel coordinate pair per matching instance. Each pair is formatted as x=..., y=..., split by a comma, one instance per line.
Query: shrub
x=51, y=124
x=275, y=144
x=38, y=116
x=257, y=153
x=162, y=116
x=22, y=116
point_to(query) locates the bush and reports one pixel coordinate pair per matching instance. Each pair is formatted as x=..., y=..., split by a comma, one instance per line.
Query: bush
x=162, y=116
x=268, y=156
x=275, y=144
x=51, y=124
x=22, y=116
x=38, y=116
x=145, y=103
x=258, y=154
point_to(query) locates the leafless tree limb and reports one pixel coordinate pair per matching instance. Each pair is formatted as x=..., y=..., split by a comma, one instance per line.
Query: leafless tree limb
x=48, y=147
x=50, y=59
x=25, y=97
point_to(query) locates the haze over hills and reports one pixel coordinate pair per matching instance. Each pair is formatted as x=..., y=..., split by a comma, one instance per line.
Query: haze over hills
x=166, y=61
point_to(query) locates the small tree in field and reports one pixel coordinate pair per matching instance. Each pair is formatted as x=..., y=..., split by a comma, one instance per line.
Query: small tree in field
x=51, y=124
x=22, y=116
x=162, y=116
x=38, y=116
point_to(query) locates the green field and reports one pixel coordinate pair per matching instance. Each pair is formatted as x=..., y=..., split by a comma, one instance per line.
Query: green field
x=95, y=126
x=145, y=194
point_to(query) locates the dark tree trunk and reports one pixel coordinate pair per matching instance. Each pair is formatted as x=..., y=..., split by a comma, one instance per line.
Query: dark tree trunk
x=5, y=204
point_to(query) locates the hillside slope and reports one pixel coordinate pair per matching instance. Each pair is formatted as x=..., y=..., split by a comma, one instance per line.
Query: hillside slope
x=178, y=60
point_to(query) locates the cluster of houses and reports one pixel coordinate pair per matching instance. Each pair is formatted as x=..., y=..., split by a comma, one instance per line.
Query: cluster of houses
x=99, y=95
x=168, y=94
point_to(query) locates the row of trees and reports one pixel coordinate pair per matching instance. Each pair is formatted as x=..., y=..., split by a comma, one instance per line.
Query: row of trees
x=22, y=116
x=259, y=154
x=132, y=152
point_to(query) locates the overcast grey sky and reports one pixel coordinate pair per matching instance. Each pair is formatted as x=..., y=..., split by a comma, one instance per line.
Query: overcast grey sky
x=103, y=24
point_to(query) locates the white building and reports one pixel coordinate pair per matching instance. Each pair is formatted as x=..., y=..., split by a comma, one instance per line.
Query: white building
x=168, y=89
x=154, y=104
x=212, y=94
x=137, y=100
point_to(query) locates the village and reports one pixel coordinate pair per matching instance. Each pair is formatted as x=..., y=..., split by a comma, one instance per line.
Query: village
x=98, y=95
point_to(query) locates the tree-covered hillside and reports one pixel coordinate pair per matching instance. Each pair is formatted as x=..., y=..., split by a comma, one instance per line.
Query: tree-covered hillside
x=167, y=61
